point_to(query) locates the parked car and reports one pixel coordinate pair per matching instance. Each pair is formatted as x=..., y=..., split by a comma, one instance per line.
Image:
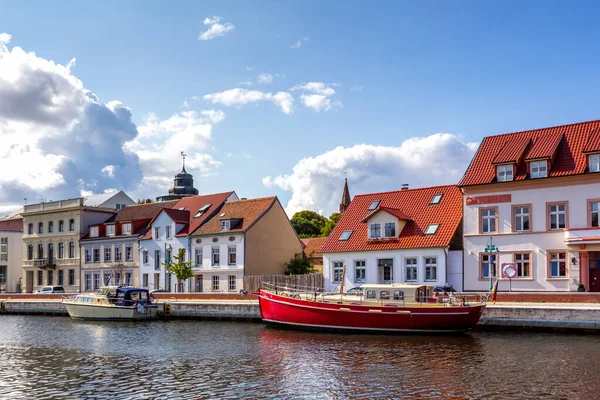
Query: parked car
x=444, y=290
x=50, y=289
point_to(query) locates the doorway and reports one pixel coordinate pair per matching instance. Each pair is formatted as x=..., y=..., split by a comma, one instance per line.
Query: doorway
x=594, y=265
x=29, y=282
x=199, y=283
x=386, y=268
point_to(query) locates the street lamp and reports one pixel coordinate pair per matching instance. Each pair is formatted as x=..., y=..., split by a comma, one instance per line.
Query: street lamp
x=490, y=248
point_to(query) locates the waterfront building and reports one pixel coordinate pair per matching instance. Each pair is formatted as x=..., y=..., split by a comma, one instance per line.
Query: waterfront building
x=110, y=251
x=245, y=237
x=169, y=232
x=409, y=235
x=11, y=252
x=312, y=251
x=51, y=234
x=537, y=195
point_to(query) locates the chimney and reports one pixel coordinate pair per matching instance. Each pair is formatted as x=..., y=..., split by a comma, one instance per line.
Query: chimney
x=404, y=186
x=243, y=198
x=148, y=201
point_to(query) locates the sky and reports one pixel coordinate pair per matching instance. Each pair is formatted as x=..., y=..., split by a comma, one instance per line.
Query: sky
x=278, y=98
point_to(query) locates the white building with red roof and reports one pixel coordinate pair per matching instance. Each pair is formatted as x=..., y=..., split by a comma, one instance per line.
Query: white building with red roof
x=537, y=195
x=409, y=235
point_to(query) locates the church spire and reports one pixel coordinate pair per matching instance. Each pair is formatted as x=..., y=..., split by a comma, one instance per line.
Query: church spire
x=345, y=197
x=183, y=155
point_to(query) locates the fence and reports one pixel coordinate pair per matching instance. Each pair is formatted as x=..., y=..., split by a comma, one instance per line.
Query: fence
x=310, y=282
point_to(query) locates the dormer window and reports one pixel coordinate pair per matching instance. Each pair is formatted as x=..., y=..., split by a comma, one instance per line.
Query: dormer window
x=375, y=231
x=374, y=204
x=202, y=210
x=345, y=236
x=538, y=169
x=389, y=229
x=432, y=229
x=594, y=161
x=505, y=173
x=225, y=225
x=126, y=229
x=436, y=198
x=94, y=231
x=110, y=230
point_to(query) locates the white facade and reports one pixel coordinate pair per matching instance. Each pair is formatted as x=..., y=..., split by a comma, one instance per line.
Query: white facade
x=546, y=262
x=431, y=266
x=109, y=262
x=11, y=260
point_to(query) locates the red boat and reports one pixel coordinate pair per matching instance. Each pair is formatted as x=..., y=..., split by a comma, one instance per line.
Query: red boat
x=379, y=308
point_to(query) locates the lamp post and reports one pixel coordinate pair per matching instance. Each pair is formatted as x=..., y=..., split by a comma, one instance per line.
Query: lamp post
x=490, y=248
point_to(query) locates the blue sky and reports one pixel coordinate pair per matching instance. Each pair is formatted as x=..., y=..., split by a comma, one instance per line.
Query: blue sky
x=400, y=70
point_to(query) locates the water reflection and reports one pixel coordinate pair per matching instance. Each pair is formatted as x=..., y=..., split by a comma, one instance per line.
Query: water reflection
x=49, y=357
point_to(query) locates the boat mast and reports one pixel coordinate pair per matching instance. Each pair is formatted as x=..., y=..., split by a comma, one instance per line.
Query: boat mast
x=343, y=279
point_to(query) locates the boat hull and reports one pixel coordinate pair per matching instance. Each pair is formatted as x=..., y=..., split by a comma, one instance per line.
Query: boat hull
x=109, y=313
x=306, y=314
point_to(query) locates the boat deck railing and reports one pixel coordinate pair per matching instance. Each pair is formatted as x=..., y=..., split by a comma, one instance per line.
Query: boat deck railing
x=358, y=298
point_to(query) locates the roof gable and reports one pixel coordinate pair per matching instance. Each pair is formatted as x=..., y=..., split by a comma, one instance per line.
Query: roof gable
x=544, y=147
x=142, y=211
x=593, y=143
x=392, y=211
x=512, y=151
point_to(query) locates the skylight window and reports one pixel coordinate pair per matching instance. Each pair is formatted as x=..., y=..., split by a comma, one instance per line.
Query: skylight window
x=345, y=235
x=432, y=229
x=374, y=204
x=181, y=208
x=202, y=210
x=436, y=198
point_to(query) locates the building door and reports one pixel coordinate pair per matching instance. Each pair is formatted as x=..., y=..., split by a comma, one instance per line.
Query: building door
x=386, y=267
x=594, y=264
x=29, y=282
x=3, y=278
x=199, y=283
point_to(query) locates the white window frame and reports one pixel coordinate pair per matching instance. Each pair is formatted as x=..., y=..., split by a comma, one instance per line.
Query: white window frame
x=554, y=212
x=71, y=249
x=594, y=212
x=96, y=259
x=520, y=216
x=107, y=254
x=126, y=229
x=411, y=267
x=436, y=198
x=375, y=226
x=96, y=281
x=225, y=225
x=538, y=169
x=145, y=256
x=215, y=251
x=110, y=230
x=94, y=231
x=558, y=259
x=230, y=253
x=337, y=270
x=505, y=173
x=432, y=229
x=118, y=254
x=87, y=281
x=157, y=260
x=88, y=256
x=145, y=280
x=488, y=215
x=198, y=256
x=594, y=162
x=495, y=263
x=232, y=283
x=521, y=259
x=431, y=268
x=156, y=232
x=168, y=231
x=4, y=249
x=128, y=253
x=393, y=228
x=360, y=265
x=215, y=283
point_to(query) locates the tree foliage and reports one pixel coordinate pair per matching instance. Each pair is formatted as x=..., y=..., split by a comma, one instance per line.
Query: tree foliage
x=331, y=223
x=180, y=268
x=308, y=223
x=299, y=265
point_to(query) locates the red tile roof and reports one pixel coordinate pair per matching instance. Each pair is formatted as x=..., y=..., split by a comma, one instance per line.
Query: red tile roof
x=15, y=225
x=178, y=216
x=544, y=146
x=393, y=211
x=593, y=143
x=142, y=211
x=414, y=202
x=312, y=246
x=569, y=158
x=512, y=151
x=248, y=211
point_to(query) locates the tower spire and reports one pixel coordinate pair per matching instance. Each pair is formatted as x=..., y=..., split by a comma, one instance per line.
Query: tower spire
x=183, y=155
x=345, y=196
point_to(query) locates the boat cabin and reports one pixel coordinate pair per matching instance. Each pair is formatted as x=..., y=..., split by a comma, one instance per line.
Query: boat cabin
x=397, y=292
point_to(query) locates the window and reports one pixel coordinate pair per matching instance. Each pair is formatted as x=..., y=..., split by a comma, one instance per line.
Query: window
x=345, y=235
x=432, y=229
x=215, y=257
x=110, y=230
x=232, y=283
x=167, y=255
x=61, y=226
x=225, y=225
x=128, y=278
x=72, y=225
x=41, y=227
x=96, y=255
x=386, y=267
x=40, y=278
x=371, y=294
x=505, y=173
x=88, y=256
x=156, y=232
x=61, y=277
x=232, y=256
x=198, y=254
x=594, y=162
x=50, y=252
x=486, y=264
x=126, y=229
x=523, y=265
x=88, y=282
x=96, y=280
x=436, y=198
x=374, y=204
x=71, y=277
x=398, y=295
x=411, y=269
x=390, y=229
x=202, y=210
x=430, y=268
x=118, y=254
x=521, y=218
x=594, y=207
x=40, y=250
x=558, y=264
x=51, y=227
x=168, y=231
x=156, y=259
x=145, y=280
x=71, y=249
x=128, y=254
x=4, y=249
x=538, y=169
x=557, y=215
x=156, y=281
x=30, y=229
x=30, y=252
x=118, y=278
x=94, y=231
x=488, y=220
x=375, y=231
x=50, y=277
x=215, y=283
x=384, y=295
x=61, y=250
x=145, y=257
x=107, y=254
x=338, y=271
x=360, y=271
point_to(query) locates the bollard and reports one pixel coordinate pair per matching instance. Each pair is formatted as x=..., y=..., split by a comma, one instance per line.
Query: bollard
x=3, y=307
x=167, y=309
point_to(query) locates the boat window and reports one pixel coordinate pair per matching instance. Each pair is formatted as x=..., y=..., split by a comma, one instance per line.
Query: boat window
x=144, y=295
x=371, y=294
x=135, y=296
x=384, y=295
x=398, y=295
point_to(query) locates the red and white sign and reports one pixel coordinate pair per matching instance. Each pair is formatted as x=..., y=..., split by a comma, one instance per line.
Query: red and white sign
x=509, y=270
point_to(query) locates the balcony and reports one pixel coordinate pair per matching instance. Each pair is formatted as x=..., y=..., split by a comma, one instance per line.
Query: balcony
x=57, y=261
x=44, y=263
x=577, y=236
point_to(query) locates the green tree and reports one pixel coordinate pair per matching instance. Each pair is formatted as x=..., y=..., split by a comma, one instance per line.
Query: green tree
x=331, y=223
x=180, y=268
x=299, y=265
x=308, y=223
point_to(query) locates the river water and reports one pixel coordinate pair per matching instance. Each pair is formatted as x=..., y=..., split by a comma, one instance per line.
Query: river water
x=56, y=358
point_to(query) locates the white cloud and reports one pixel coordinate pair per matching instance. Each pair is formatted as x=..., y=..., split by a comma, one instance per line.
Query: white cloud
x=216, y=29
x=241, y=97
x=316, y=182
x=109, y=170
x=317, y=95
x=317, y=102
x=299, y=43
x=265, y=78
x=244, y=83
